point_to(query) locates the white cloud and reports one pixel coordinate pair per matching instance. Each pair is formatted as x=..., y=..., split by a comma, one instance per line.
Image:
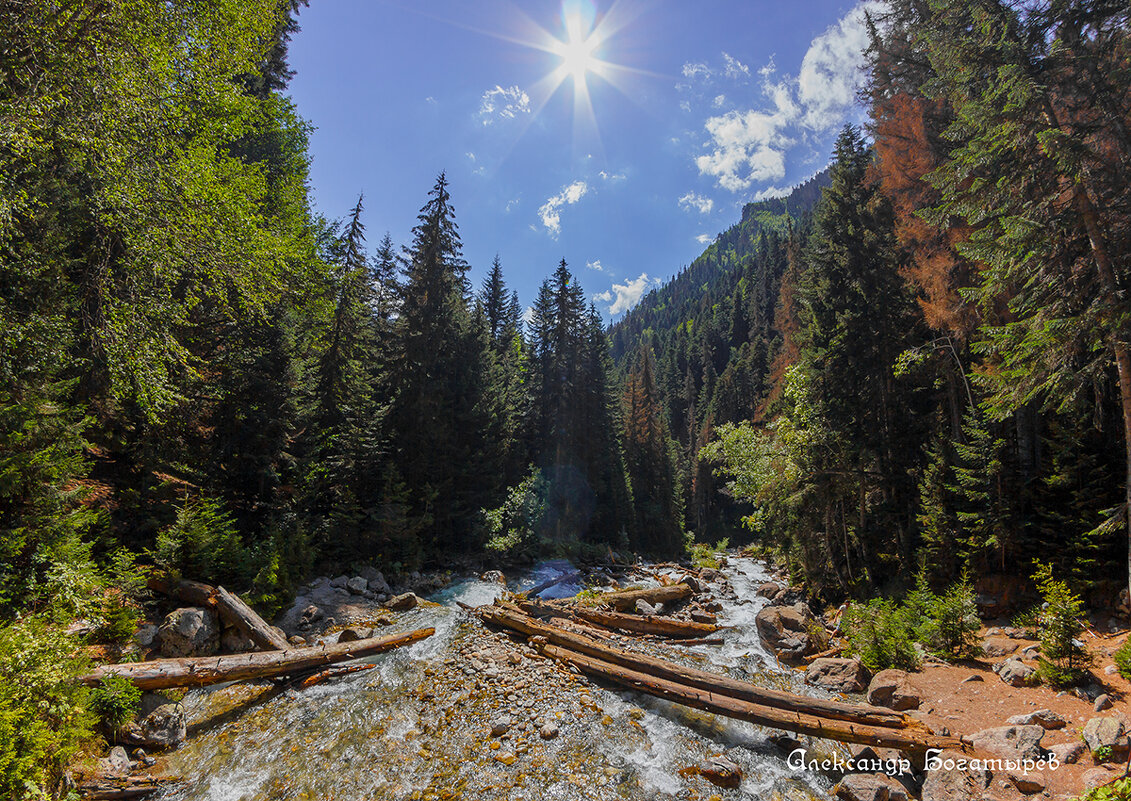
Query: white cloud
x=624, y=296
x=528, y=315
x=612, y=176
x=693, y=200
x=720, y=101
x=595, y=265
x=771, y=192
x=503, y=104
x=831, y=69
x=733, y=67
x=704, y=239
x=510, y=205
x=696, y=70
x=749, y=146
x=550, y=210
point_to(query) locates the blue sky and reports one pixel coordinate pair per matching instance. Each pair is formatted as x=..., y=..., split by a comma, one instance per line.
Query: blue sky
x=619, y=136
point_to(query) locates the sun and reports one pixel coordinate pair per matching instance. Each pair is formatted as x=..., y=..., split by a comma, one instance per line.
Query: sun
x=577, y=51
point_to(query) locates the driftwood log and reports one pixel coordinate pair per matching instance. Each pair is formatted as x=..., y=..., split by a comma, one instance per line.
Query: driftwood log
x=715, y=684
x=109, y=787
x=199, y=671
x=646, y=624
x=227, y=604
x=915, y=742
x=624, y=600
x=545, y=585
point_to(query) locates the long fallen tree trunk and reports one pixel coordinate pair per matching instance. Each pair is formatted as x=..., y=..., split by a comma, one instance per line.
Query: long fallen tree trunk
x=911, y=741
x=623, y=600
x=198, y=671
x=545, y=585
x=225, y=603
x=646, y=624
x=861, y=714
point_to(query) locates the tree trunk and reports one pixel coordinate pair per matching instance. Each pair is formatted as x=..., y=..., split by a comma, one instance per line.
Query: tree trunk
x=800, y=720
x=646, y=624
x=545, y=585
x=225, y=603
x=200, y=671
x=715, y=683
x=626, y=599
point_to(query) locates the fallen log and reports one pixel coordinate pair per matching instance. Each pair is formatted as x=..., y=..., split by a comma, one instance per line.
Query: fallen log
x=227, y=604
x=696, y=641
x=911, y=741
x=110, y=787
x=330, y=673
x=160, y=674
x=623, y=600
x=862, y=714
x=646, y=624
x=545, y=585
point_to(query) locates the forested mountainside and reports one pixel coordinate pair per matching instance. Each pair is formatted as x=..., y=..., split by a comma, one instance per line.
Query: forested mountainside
x=928, y=375
x=713, y=335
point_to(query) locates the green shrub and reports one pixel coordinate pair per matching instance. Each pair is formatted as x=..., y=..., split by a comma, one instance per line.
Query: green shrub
x=115, y=702
x=1062, y=659
x=203, y=543
x=704, y=555
x=1116, y=791
x=880, y=634
x=515, y=528
x=44, y=718
x=1122, y=659
x=956, y=623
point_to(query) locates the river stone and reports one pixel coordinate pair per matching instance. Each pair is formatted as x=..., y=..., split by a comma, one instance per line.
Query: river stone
x=354, y=633
x=402, y=603
x=357, y=585
x=376, y=579
x=720, y=771
x=190, y=631
x=340, y=582
x=1011, y=742
x=769, y=589
x=791, y=631
x=1103, y=702
x=549, y=731
x=1101, y=733
x=494, y=577
x=644, y=608
x=146, y=635
x=840, y=675
x=118, y=761
x=869, y=787
x=1045, y=718
x=1027, y=783
x=956, y=783
x=891, y=688
x=1015, y=673
x=501, y=726
x=162, y=728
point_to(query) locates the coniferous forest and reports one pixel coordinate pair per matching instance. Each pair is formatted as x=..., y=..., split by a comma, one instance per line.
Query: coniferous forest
x=916, y=363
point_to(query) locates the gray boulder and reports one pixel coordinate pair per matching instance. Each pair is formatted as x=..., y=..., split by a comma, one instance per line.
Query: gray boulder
x=644, y=608
x=357, y=585
x=402, y=603
x=341, y=582
x=1045, y=718
x=376, y=579
x=1014, y=672
x=869, y=787
x=891, y=688
x=839, y=675
x=791, y=631
x=146, y=635
x=354, y=633
x=1104, y=738
x=959, y=782
x=1011, y=742
x=1069, y=753
x=234, y=641
x=162, y=728
x=190, y=631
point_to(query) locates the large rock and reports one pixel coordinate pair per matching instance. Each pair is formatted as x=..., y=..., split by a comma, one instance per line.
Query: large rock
x=1104, y=738
x=190, y=631
x=376, y=579
x=1069, y=753
x=162, y=728
x=234, y=641
x=840, y=675
x=869, y=787
x=357, y=585
x=1045, y=718
x=355, y=633
x=402, y=603
x=1015, y=673
x=791, y=631
x=1011, y=742
x=891, y=688
x=951, y=778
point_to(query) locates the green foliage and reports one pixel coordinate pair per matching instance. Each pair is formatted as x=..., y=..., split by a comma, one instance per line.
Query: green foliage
x=203, y=542
x=706, y=555
x=115, y=701
x=1063, y=658
x=956, y=622
x=517, y=528
x=881, y=634
x=1122, y=657
x=44, y=718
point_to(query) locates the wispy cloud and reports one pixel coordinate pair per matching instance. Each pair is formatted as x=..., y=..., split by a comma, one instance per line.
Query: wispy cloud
x=749, y=146
x=595, y=265
x=694, y=201
x=550, y=211
x=503, y=104
x=612, y=176
x=704, y=239
x=623, y=297
x=694, y=70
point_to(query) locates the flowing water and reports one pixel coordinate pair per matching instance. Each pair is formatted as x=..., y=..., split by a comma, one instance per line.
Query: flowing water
x=418, y=725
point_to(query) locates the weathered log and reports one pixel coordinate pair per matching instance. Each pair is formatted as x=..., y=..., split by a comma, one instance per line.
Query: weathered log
x=111, y=787
x=330, y=673
x=545, y=585
x=160, y=674
x=646, y=624
x=718, y=684
x=696, y=641
x=914, y=742
x=623, y=600
x=227, y=604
